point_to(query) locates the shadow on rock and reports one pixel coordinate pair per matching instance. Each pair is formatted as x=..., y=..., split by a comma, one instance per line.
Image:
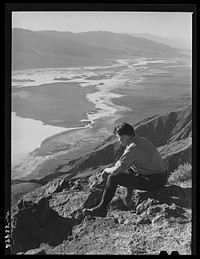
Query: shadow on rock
x=171, y=194
x=37, y=223
x=118, y=203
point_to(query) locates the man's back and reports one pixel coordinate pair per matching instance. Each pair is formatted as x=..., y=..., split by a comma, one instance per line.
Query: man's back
x=145, y=156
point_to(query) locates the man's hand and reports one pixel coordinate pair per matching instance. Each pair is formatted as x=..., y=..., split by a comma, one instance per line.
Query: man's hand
x=107, y=171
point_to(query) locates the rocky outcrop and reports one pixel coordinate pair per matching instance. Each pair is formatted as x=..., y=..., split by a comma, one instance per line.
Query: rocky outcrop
x=49, y=214
x=35, y=223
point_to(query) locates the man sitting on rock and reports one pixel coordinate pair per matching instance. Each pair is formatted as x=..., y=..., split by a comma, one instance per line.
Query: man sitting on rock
x=140, y=167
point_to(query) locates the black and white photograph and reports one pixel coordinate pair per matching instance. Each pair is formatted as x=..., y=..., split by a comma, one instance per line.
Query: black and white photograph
x=101, y=131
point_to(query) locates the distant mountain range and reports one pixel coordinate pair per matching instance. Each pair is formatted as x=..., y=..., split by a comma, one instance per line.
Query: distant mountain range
x=43, y=49
x=176, y=42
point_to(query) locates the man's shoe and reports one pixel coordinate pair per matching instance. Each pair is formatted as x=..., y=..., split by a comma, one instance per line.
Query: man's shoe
x=96, y=212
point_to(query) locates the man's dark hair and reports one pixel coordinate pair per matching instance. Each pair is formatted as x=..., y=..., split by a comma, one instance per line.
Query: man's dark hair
x=124, y=129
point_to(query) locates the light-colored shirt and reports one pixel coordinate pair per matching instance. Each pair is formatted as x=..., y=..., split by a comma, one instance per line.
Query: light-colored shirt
x=140, y=155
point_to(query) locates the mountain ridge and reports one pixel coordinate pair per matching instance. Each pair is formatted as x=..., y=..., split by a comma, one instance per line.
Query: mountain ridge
x=176, y=42
x=42, y=49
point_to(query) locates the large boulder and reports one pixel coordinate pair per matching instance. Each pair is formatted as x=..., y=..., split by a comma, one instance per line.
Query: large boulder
x=34, y=222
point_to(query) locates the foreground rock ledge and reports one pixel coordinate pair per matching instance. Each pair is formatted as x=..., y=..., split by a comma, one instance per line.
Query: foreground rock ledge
x=44, y=216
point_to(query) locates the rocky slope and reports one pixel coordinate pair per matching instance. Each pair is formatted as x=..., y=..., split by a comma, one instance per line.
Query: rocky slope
x=45, y=219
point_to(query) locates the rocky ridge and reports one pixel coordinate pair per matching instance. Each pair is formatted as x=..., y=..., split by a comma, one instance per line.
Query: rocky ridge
x=45, y=219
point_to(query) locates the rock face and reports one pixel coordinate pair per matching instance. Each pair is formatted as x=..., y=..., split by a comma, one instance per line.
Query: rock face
x=161, y=221
x=34, y=222
x=50, y=218
x=29, y=230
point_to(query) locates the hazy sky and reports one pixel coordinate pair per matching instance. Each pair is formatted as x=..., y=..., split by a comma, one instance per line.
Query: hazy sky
x=166, y=24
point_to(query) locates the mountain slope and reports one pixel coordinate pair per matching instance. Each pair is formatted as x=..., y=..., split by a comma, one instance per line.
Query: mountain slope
x=42, y=49
x=35, y=50
x=46, y=221
x=112, y=40
x=161, y=130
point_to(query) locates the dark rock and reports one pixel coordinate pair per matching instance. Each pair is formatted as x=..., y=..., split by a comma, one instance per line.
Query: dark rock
x=29, y=217
x=171, y=194
x=32, y=213
x=36, y=223
x=167, y=204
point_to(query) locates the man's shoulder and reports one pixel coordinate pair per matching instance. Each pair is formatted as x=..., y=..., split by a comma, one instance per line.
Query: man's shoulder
x=139, y=140
x=131, y=145
x=146, y=142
